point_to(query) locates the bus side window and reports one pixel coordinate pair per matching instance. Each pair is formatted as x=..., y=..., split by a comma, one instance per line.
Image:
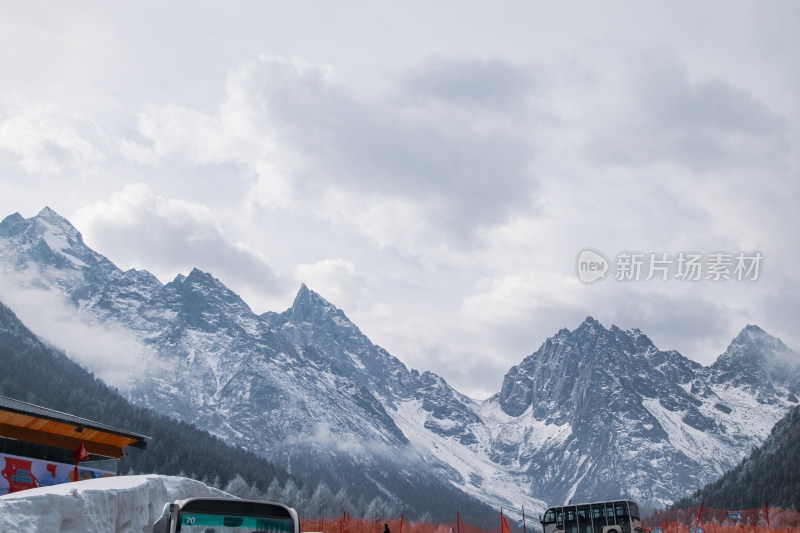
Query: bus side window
x=560, y=519
x=584, y=519
x=622, y=516
x=634, y=511
x=570, y=522
x=598, y=517
x=610, y=519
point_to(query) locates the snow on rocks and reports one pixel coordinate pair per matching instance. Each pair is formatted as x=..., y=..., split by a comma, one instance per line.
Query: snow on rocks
x=114, y=504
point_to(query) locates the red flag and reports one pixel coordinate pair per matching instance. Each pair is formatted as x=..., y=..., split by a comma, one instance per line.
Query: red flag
x=505, y=525
x=80, y=455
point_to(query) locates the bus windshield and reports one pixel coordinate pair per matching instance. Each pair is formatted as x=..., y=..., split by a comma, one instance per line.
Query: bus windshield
x=223, y=523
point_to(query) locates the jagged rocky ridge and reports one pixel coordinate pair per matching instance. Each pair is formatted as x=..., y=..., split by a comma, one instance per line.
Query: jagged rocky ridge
x=593, y=413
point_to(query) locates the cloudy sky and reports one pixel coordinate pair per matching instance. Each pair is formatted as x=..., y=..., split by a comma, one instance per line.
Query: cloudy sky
x=432, y=168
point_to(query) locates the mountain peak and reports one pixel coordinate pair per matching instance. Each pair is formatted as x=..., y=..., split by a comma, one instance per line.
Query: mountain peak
x=48, y=212
x=208, y=282
x=196, y=273
x=51, y=217
x=203, y=280
x=591, y=326
x=307, y=298
x=309, y=306
x=10, y=223
x=754, y=352
x=754, y=335
x=752, y=332
x=55, y=228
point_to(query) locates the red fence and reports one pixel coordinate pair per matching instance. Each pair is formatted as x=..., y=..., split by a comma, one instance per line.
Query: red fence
x=762, y=520
x=710, y=520
x=348, y=524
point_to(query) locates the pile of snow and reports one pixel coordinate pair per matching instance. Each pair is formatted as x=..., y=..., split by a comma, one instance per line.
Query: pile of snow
x=120, y=504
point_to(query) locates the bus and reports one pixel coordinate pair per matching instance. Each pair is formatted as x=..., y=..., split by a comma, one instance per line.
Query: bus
x=617, y=516
x=222, y=515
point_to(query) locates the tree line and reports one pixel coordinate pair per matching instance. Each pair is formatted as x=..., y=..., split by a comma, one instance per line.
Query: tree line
x=770, y=474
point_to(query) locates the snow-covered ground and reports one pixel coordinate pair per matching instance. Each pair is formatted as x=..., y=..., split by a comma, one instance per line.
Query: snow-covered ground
x=122, y=504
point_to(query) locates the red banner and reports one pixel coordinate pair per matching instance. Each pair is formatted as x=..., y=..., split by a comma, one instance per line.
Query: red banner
x=20, y=473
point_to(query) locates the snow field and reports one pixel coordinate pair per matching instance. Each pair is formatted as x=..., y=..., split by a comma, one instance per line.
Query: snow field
x=122, y=504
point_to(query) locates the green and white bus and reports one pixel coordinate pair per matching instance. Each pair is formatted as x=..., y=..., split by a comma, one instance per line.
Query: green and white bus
x=617, y=516
x=221, y=515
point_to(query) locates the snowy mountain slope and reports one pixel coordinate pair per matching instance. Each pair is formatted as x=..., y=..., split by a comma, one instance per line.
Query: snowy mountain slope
x=228, y=371
x=593, y=413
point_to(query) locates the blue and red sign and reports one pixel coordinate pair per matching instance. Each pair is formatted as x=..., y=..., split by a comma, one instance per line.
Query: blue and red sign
x=21, y=473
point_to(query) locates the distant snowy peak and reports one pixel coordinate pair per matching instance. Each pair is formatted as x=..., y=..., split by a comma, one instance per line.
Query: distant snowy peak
x=211, y=288
x=754, y=358
x=321, y=331
x=203, y=303
x=49, y=241
x=48, y=226
x=309, y=311
x=310, y=307
x=592, y=359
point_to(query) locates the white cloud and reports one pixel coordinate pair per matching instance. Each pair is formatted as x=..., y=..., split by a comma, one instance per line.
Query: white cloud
x=40, y=139
x=112, y=353
x=312, y=145
x=137, y=228
x=665, y=114
x=444, y=170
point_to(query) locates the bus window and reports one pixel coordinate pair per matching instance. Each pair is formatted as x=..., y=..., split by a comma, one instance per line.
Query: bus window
x=634, y=511
x=570, y=520
x=610, y=519
x=584, y=519
x=622, y=516
x=598, y=517
x=559, y=518
x=549, y=517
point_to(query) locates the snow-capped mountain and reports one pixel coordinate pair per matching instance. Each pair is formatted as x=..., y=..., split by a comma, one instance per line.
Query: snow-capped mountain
x=639, y=420
x=223, y=368
x=593, y=413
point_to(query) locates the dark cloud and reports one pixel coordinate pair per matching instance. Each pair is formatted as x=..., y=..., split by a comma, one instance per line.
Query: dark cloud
x=482, y=85
x=703, y=124
x=463, y=169
x=687, y=321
